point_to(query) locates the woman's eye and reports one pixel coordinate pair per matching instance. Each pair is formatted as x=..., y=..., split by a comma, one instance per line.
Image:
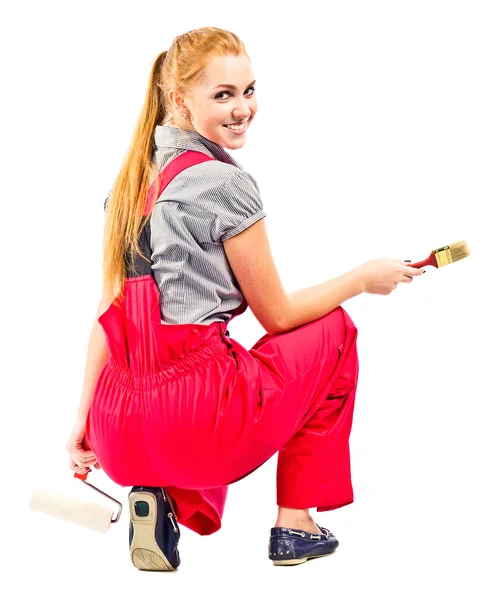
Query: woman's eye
x=251, y=88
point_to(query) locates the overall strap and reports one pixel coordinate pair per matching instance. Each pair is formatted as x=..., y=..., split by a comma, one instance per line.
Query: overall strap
x=187, y=159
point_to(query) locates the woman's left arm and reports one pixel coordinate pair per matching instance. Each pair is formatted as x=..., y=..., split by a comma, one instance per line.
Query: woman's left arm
x=97, y=355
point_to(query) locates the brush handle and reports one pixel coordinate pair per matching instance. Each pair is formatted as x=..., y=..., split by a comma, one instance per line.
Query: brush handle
x=430, y=261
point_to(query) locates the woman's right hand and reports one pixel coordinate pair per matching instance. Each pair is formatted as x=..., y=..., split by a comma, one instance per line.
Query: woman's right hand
x=382, y=275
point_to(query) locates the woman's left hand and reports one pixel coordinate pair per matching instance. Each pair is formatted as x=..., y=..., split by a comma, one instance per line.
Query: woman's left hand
x=80, y=458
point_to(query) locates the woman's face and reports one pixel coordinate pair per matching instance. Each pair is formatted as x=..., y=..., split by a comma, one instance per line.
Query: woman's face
x=214, y=105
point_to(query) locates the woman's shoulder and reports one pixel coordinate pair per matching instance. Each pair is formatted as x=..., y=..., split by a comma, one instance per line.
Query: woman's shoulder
x=211, y=175
x=216, y=168
x=205, y=183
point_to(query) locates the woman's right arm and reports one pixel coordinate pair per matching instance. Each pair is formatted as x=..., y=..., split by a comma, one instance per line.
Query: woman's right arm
x=251, y=261
x=318, y=300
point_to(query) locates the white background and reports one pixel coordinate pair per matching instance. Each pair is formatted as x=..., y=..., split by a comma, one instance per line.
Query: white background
x=377, y=116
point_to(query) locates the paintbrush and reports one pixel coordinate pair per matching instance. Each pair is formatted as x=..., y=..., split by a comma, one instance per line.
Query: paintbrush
x=444, y=256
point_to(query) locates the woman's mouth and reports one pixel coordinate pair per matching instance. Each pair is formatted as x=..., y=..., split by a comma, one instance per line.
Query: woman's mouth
x=236, y=128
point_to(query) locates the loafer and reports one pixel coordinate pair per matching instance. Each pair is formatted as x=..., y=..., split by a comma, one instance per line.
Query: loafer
x=154, y=532
x=290, y=546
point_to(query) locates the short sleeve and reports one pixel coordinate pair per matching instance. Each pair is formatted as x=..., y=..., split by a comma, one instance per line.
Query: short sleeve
x=239, y=206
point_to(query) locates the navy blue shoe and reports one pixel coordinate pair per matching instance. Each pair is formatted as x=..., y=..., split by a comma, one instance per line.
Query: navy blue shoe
x=154, y=531
x=289, y=546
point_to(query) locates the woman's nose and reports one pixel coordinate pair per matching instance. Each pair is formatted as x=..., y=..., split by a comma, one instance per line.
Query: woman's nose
x=242, y=111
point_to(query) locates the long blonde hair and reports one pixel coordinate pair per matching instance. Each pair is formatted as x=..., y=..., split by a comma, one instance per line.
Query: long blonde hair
x=179, y=68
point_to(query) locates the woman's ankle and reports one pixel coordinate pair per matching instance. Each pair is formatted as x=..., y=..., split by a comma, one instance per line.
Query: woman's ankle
x=295, y=518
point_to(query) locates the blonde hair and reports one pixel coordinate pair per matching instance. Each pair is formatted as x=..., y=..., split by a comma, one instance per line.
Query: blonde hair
x=179, y=68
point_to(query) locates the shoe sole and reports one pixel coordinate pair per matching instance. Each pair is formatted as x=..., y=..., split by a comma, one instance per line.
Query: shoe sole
x=145, y=552
x=298, y=561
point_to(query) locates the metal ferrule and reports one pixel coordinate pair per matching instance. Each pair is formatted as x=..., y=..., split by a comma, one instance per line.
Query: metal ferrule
x=443, y=256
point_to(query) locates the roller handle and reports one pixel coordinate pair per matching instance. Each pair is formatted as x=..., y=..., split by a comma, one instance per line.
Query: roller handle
x=83, y=477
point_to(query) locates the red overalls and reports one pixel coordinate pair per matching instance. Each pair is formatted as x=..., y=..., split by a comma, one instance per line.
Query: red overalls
x=187, y=408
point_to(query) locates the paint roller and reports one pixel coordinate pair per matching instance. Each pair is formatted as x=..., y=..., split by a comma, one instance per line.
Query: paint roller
x=94, y=516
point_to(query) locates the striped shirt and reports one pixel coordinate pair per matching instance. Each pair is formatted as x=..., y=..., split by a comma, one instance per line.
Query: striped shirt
x=200, y=208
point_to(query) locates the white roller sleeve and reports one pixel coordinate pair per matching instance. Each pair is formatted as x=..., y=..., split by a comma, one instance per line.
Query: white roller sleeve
x=61, y=506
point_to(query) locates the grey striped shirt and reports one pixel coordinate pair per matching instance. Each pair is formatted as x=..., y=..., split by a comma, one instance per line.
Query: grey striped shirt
x=202, y=206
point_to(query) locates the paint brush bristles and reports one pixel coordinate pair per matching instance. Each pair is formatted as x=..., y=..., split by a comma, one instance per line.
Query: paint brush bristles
x=450, y=254
x=459, y=250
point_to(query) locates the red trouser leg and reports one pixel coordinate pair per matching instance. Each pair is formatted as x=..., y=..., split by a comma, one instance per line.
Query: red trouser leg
x=314, y=464
x=308, y=423
x=199, y=510
x=313, y=468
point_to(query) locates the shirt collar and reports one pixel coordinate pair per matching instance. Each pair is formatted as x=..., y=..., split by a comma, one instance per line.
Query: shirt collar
x=167, y=136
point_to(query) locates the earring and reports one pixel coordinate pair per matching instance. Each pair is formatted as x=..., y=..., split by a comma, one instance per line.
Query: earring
x=184, y=116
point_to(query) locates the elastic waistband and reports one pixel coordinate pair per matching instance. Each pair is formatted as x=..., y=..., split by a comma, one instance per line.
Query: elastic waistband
x=171, y=370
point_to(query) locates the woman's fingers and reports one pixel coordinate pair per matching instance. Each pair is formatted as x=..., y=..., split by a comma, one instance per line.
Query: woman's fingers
x=85, y=459
x=75, y=467
x=80, y=457
x=81, y=454
x=81, y=465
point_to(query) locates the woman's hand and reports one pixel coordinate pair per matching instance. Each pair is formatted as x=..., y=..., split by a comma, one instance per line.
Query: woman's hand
x=382, y=275
x=80, y=458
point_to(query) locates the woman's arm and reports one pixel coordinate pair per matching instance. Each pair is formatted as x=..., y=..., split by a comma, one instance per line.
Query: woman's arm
x=252, y=263
x=97, y=355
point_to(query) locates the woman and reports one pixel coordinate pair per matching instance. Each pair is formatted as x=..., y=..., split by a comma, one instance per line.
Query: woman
x=171, y=405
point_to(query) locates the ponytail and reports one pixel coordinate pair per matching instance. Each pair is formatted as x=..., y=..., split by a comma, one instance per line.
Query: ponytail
x=126, y=202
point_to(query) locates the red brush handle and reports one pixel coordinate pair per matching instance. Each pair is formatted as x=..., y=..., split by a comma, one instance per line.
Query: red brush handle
x=430, y=261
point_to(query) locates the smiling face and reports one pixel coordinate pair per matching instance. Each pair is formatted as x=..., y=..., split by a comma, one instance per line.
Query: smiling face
x=213, y=105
